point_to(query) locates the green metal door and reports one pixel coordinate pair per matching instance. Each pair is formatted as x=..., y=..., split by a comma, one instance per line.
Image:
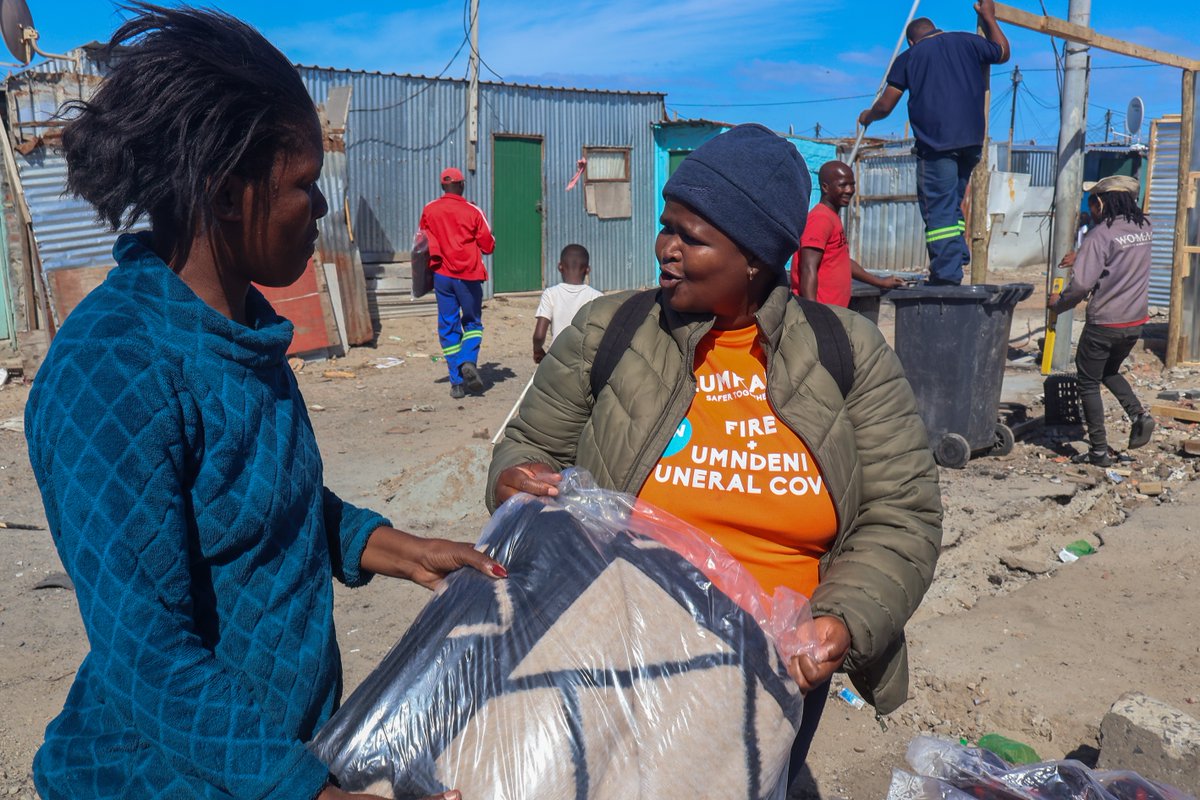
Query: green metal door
x=517, y=214
x=676, y=158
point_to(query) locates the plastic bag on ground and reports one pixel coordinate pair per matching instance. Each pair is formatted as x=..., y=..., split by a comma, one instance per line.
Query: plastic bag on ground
x=625, y=656
x=984, y=775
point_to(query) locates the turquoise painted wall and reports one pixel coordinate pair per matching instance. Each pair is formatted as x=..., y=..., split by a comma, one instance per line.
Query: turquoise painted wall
x=685, y=137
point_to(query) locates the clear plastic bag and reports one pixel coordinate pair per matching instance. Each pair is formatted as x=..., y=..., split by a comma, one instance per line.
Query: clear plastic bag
x=984, y=775
x=625, y=656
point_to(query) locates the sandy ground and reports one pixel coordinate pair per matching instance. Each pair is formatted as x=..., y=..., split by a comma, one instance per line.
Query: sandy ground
x=1009, y=639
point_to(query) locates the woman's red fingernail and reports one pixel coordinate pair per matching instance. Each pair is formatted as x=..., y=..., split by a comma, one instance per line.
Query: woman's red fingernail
x=499, y=571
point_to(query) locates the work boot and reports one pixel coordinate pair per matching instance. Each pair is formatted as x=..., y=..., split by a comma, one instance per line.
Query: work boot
x=1140, y=430
x=1097, y=458
x=471, y=377
x=457, y=391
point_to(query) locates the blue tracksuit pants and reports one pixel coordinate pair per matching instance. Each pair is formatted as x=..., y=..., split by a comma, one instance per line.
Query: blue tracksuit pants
x=460, y=322
x=942, y=178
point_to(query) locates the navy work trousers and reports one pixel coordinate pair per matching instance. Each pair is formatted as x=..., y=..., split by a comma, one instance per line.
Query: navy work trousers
x=460, y=322
x=942, y=177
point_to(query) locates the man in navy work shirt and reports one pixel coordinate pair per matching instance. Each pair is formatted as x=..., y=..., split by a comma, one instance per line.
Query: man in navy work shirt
x=945, y=80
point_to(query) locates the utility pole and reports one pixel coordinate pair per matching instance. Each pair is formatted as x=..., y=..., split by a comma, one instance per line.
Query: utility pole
x=1107, y=125
x=473, y=90
x=1068, y=186
x=818, y=133
x=1012, y=116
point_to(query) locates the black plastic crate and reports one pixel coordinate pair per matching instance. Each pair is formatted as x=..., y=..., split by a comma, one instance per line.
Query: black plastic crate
x=1062, y=400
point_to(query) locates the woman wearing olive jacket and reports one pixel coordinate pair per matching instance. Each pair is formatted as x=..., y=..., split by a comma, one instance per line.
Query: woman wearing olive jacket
x=733, y=216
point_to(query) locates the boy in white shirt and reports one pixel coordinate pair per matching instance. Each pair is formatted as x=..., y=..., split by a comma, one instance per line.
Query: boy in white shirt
x=560, y=303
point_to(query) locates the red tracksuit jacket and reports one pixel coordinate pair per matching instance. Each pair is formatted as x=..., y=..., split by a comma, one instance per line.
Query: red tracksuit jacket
x=459, y=236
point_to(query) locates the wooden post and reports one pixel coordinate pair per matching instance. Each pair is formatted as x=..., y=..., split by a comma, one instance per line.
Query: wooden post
x=1177, y=333
x=473, y=90
x=977, y=224
x=1078, y=31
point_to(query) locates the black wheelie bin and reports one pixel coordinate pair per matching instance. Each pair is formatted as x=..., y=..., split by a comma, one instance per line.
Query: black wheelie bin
x=953, y=343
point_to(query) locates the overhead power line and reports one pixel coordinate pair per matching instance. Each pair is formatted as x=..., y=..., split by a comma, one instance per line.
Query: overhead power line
x=1109, y=66
x=420, y=91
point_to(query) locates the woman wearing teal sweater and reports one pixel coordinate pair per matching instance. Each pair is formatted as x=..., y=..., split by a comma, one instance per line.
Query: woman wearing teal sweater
x=177, y=464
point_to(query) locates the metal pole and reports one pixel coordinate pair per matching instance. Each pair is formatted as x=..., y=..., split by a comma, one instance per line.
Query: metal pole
x=473, y=90
x=1107, y=125
x=883, y=83
x=1068, y=186
x=1012, y=117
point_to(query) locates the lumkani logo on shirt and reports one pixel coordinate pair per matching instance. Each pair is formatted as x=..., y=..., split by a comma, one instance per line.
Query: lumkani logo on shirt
x=728, y=385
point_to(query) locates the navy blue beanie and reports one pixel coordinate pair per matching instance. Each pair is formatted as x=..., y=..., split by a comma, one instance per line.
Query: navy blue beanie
x=753, y=185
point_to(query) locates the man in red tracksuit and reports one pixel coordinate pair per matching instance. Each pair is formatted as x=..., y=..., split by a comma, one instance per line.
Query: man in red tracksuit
x=459, y=237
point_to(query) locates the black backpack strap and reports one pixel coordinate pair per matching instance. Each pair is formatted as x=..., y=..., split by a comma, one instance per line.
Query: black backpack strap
x=833, y=344
x=619, y=335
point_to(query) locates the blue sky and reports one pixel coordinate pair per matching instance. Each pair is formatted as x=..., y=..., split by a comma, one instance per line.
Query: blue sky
x=783, y=63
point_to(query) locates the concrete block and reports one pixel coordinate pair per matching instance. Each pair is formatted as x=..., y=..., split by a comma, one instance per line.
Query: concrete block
x=1153, y=739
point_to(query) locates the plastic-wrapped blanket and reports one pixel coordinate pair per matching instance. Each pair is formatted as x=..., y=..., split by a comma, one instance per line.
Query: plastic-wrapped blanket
x=948, y=771
x=624, y=657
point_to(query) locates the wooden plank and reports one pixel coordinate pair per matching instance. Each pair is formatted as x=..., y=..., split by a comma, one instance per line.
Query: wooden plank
x=1176, y=330
x=352, y=283
x=1175, y=412
x=1062, y=29
x=69, y=286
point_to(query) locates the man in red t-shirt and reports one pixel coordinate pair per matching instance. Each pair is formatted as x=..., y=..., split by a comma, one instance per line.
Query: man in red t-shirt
x=822, y=269
x=459, y=236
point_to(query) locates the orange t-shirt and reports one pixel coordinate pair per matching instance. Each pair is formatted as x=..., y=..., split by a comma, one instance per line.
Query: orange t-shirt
x=736, y=472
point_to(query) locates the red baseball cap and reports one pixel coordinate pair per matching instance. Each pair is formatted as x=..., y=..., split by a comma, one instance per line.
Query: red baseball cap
x=452, y=175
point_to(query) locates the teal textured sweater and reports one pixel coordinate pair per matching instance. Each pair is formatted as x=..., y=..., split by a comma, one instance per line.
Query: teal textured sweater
x=184, y=491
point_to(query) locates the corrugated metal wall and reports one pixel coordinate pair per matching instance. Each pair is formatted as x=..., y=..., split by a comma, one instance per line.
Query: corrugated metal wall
x=1040, y=164
x=622, y=250
x=886, y=230
x=66, y=230
x=404, y=130
x=1162, y=198
x=1191, y=284
x=399, y=134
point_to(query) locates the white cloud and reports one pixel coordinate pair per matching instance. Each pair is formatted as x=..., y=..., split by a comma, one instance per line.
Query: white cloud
x=817, y=79
x=588, y=38
x=877, y=56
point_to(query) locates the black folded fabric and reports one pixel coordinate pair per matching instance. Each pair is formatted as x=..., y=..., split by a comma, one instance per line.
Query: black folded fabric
x=605, y=666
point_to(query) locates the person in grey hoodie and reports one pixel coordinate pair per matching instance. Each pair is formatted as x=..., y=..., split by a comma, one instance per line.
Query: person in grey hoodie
x=1111, y=270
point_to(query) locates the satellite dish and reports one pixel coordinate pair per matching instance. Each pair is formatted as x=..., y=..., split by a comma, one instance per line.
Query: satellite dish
x=16, y=26
x=1134, y=115
x=15, y=19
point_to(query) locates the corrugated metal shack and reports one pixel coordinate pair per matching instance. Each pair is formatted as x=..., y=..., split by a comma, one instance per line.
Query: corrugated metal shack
x=66, y=251
x=403, y=130
x=387, y=139
x=884, y=223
